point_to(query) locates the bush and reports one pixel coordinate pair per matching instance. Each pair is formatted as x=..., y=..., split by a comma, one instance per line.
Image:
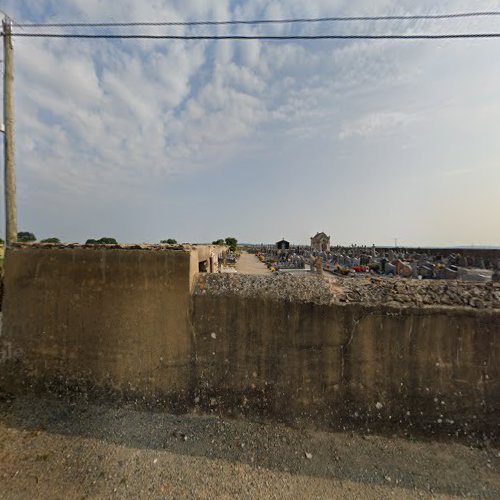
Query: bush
x=24, y=237
x=232, y=243
x=103, y=241
x=170, y=241
x=51, y=240
x=107, y=241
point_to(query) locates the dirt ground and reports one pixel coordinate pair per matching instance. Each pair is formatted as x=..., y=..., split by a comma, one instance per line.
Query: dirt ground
x=55, y=449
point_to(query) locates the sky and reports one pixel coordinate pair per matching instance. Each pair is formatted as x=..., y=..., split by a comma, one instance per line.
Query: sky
x=367, y=141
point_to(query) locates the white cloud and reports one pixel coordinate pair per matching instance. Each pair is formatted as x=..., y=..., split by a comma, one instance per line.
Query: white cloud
x=375, y=124
x=162, y=107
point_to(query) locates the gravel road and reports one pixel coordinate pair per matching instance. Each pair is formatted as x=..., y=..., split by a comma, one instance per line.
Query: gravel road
x=250, y=264
x=54, y=449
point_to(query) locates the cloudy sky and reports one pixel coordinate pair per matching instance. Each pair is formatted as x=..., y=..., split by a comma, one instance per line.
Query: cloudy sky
x=365, y=140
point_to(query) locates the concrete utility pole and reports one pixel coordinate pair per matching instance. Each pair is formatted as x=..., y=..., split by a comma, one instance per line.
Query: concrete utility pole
x=9, y=139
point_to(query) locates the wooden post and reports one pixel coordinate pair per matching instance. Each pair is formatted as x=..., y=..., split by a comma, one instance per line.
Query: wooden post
x=9, y=136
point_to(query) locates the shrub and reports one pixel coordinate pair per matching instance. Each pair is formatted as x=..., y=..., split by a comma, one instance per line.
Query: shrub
x=103, y=241
x=24, y=236
x=232, y=243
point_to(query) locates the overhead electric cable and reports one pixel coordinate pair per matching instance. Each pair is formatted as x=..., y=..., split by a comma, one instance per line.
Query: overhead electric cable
x=262, y=37
x=263, y=21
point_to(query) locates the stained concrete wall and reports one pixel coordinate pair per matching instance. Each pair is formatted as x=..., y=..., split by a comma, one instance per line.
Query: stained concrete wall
x=126, y=320
x=204, y=253
x=108, y=317
x=345, y=366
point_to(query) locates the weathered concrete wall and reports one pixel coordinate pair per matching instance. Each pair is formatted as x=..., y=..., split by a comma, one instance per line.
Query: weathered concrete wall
x=111, y=317
x=346, y=366
x=208, y=254
x=127, y=321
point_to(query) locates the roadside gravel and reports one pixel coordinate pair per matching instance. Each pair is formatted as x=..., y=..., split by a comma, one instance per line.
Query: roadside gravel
x=54, y=449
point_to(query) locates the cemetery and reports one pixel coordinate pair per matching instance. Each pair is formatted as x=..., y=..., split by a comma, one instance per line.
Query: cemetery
x=358, y=261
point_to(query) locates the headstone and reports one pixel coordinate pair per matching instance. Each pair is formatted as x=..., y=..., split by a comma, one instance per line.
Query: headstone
x=414, y=269
x=450, y=274
x=390, y=268
x=479, y=275
x=403, y=269
x=318, y=265
x=427, y=270
x=383, y=263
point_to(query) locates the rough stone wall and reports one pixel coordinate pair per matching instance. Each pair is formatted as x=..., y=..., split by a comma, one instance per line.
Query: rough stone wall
x=349, y=366
x=105, y=317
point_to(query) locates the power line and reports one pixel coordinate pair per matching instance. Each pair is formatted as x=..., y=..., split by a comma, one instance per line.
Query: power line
x=262, y=37
x=263, y=21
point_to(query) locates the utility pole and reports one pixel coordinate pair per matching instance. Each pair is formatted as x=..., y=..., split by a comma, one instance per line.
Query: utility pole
x=9, y=139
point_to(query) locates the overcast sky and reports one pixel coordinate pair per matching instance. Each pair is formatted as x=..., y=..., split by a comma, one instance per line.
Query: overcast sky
x=365, y=140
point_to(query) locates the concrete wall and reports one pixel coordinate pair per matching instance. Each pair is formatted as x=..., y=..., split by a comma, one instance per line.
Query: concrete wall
x=208, y=254
x=109, y=317
x=346, y=366
x=126, y=321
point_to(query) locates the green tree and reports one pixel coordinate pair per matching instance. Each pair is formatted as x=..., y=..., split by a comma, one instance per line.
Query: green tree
x=232, y=243
x=218, y=242
x=102, y=241
x=24, y=237
x=170, y=241
x=51, y=240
